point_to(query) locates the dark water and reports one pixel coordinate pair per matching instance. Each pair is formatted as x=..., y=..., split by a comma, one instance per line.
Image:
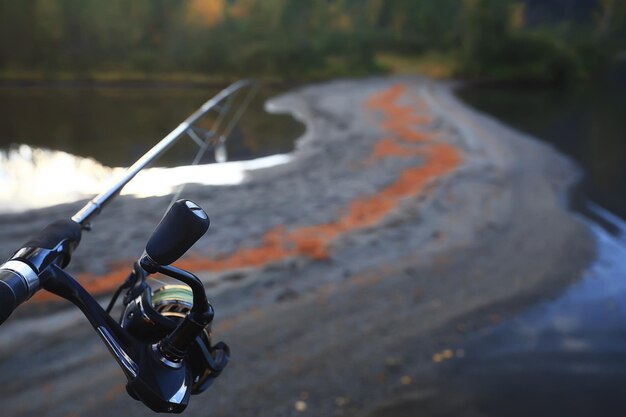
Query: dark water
x=565, y=357
x=116, y=126
x=587, y=122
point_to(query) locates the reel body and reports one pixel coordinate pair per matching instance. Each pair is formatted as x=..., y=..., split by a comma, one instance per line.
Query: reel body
x=162, y=341
x=166, y=354
x=153, y=314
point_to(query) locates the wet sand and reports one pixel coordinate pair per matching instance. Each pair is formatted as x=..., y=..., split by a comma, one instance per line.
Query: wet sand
x=404, y=222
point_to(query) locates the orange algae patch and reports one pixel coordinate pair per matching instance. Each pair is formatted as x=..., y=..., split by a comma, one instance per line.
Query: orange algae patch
x=405, y=123
x=271, y=249
x=314, y=242
x=384, y=98
x=387, y=148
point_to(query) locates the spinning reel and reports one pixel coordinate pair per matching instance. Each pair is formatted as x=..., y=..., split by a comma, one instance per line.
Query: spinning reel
x=163, y=339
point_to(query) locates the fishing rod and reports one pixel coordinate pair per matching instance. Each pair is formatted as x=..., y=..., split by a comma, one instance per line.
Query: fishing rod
x=163, y=340
x=94, y=206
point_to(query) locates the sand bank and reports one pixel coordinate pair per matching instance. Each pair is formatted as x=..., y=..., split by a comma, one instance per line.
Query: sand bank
x=403, y=221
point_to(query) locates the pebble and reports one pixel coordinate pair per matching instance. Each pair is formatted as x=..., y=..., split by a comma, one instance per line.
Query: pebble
x=300, y=406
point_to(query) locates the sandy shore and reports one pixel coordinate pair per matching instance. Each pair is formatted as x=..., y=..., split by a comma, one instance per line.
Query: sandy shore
x=404, y=222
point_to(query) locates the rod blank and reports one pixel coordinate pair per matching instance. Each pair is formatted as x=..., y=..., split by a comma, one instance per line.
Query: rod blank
x=94, y=206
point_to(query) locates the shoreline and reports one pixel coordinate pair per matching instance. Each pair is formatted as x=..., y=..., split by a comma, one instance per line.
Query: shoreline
x=374, y=231
x=122, y=80
x=566, y=348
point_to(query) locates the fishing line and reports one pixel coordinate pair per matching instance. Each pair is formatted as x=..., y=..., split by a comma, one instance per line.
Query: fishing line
x=212, y=139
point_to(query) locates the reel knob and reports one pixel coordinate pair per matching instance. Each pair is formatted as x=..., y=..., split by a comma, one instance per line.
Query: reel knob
x=181, y=227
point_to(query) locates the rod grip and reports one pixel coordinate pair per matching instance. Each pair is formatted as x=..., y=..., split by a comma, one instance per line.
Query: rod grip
x=13, y=292
x=181, y=227
x=54, y=233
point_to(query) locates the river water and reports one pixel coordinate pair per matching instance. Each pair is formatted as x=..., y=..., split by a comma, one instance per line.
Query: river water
x=586, y=122
x=59, y=144
x=565, y=357
x=115, y=126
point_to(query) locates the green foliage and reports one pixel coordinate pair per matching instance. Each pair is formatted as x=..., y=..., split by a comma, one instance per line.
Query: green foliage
x=295, y=39
x=491, y=47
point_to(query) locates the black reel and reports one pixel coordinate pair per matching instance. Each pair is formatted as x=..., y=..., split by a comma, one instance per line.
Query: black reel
x=163, y=339
x=174, y=320
x=150, y=315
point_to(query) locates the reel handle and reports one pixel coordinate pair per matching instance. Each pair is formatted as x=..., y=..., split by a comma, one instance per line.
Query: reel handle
x=181, y=227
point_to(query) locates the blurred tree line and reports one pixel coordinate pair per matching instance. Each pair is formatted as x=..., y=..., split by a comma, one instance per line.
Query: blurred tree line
x=296, y=39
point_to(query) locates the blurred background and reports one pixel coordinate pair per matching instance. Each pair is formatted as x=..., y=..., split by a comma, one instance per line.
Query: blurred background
x=549, y=41
x=92, y=85
x=553, y=68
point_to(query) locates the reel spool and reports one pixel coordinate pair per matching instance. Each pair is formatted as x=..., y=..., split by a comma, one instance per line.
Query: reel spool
x=154, y=313
x=173, y=301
